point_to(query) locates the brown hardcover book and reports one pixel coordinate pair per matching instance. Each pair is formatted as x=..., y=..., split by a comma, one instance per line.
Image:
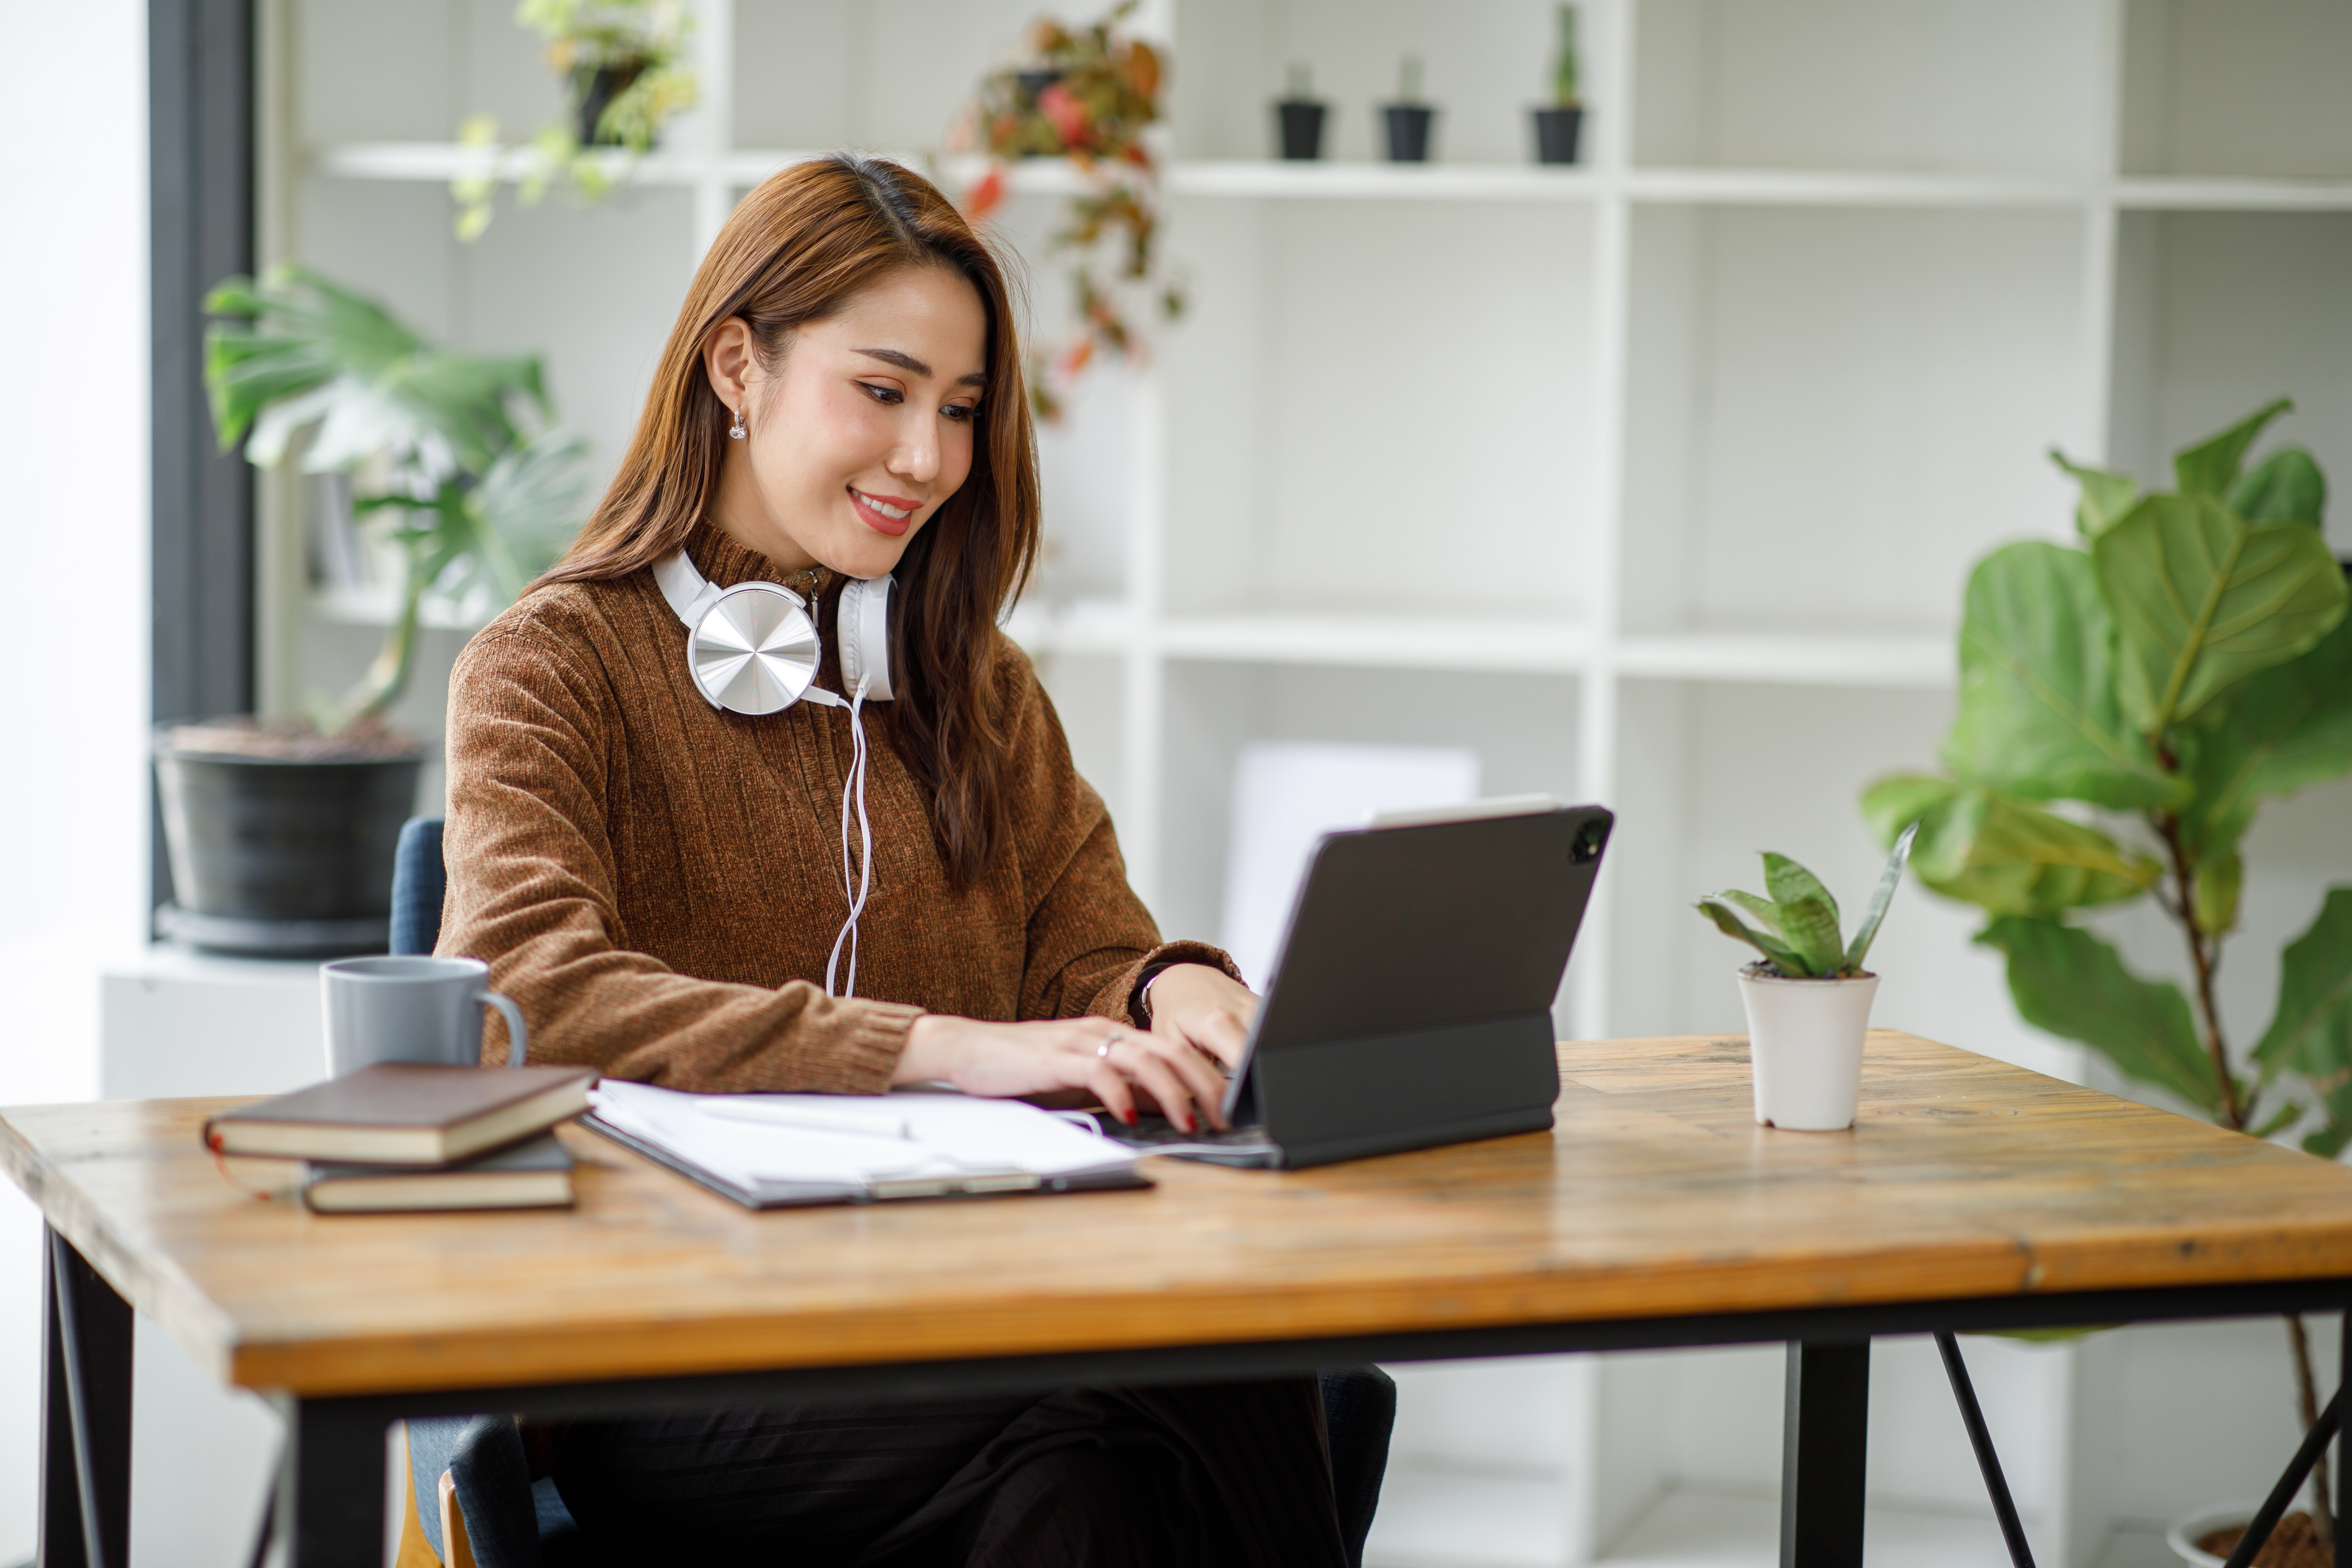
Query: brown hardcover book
x=405, y=1113
x=530, y=1175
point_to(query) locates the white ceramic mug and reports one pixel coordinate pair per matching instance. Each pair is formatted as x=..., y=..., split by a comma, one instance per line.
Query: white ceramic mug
x=412, y=1010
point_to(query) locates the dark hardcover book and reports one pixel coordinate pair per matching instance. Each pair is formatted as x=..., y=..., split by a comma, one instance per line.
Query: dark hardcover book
x=536, y=1175
x=405, y=1113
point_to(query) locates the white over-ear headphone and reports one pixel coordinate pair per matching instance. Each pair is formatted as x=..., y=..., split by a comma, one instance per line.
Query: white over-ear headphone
x=753, y=649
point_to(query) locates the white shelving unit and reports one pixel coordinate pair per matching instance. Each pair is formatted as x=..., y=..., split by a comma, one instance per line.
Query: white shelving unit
x=1653, y=481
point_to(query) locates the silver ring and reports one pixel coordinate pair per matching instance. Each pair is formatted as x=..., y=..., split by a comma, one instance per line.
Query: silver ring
x=1110, y=1040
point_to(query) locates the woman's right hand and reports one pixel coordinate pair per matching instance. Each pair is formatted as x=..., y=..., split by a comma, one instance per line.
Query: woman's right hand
x=1121, y=1067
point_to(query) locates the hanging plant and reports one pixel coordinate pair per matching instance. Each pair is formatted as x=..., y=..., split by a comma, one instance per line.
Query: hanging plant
x=621, y=65
x=1089, y=95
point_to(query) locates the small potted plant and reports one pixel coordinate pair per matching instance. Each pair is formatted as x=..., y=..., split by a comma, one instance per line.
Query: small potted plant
x=1808, y=999
x=280, y=835
x=623, y=65
x=1557, y=124
x=1409, y=119
x=1090, y=94
x=1299, y=117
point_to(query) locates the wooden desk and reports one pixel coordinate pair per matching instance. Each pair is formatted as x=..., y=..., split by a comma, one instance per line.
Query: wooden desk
x=1972, y=1195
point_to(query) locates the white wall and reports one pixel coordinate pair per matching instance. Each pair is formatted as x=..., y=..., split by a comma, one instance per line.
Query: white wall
x=73, y=683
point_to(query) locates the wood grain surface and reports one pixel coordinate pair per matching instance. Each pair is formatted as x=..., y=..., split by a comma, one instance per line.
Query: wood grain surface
x=1657, y=1195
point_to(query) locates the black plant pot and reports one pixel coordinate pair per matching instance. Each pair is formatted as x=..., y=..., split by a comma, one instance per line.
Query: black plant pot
x=281, y=858
x=1409, y=126
x=1300, y=123
x=1556, y=132
x=593, y=89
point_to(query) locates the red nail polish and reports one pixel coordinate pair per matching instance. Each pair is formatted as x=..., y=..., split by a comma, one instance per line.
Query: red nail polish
x=1128, y=1117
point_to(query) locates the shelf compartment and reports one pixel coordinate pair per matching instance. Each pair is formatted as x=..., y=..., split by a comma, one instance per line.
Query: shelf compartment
x=2243, y=88
x=1954, y=86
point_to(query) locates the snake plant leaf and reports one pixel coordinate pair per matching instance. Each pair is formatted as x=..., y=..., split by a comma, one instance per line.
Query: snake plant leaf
x=2067, y=981
x=1811, y=924
x=1880, y=897
x=2203, y=600
x=1777, y=954
x=2104, y=496
x=1787, y=882
x=2010, y=858
x=2287, y=486
x=1764, y=911
x=2288, y=727
x=2039, y=715
x=2311, y=1032
x=2210, y=467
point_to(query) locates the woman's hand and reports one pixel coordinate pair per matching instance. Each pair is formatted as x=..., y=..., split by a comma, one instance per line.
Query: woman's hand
x=1206, y=1008
x=1109, y=1060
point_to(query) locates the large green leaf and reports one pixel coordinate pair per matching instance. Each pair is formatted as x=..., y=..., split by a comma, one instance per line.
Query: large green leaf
x=2311, y=1030
x=2285, y=727
x=2105, y=495
x=2202, y=600
x=1899, y=800
x=2210, y=467
x=2287, y=487
x=2011, y=858
x=2039, y=715
x=2070, y=982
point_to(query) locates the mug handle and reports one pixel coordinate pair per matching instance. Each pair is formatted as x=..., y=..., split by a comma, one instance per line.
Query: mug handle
x=518, y=1037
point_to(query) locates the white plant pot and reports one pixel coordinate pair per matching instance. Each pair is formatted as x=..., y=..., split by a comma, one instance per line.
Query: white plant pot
x=2184, y=1534
x=1804, y=1048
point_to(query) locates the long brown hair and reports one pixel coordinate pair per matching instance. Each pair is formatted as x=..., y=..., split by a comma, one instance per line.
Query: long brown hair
x=795, y=251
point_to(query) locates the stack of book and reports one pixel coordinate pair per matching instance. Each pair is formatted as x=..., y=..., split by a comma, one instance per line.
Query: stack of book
x=403, y=1136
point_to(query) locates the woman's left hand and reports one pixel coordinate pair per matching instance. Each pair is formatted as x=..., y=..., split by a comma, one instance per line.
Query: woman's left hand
x=1205, y=1008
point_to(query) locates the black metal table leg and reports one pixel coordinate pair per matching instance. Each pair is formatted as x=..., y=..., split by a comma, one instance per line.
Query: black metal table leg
x=1825, y=1420
x=331, y=1485
x=2004, y=1508
x=85, y=1415
x=2343, y=1449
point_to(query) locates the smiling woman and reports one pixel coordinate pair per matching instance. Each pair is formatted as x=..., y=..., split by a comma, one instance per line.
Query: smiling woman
x=648, y=841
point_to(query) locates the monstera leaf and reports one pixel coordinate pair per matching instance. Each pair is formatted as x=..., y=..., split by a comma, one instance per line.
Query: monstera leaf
x=2070, y=982
x=2311, y=1031
x=2203, y=599
x=2039, y=715
x=2004, y=856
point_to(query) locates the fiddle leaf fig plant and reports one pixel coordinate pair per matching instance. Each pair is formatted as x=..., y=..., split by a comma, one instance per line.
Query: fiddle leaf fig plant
x=1796, y=927
x=2190, y=659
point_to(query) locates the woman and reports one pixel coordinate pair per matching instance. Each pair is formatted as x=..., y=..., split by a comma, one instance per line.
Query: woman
x=658, y=880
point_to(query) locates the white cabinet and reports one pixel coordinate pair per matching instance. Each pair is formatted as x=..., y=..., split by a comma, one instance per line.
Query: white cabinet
x=1653, y=481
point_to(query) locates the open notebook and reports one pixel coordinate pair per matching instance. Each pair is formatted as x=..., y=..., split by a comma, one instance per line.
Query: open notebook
x=781, y=1150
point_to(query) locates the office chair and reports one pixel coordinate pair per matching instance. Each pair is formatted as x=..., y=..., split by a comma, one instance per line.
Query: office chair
x=469, y=1480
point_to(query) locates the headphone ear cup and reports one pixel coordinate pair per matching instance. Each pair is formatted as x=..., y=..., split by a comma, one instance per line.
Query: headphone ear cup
x=862, y=630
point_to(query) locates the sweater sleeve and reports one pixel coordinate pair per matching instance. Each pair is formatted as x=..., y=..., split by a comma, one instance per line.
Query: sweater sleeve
x=533, y=892
x=1091, y=942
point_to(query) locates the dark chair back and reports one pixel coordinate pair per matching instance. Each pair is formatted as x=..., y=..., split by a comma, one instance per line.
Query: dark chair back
x=418, y=880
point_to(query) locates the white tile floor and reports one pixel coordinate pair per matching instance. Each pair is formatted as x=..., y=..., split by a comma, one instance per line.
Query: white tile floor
x=1442, y=1520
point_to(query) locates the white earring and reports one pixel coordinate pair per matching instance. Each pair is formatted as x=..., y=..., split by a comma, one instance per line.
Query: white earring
x=735, y=430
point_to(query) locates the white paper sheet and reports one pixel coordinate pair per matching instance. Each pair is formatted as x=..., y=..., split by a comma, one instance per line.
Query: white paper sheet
x=752, y=1139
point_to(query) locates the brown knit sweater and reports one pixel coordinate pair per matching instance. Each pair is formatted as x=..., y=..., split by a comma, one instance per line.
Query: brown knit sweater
x=658, y=883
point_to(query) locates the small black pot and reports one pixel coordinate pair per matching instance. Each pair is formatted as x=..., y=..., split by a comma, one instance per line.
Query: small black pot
x=281, y=858
x=1299, y=121
x=593, y=89
x=1556, y=132
x=1409, y=126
